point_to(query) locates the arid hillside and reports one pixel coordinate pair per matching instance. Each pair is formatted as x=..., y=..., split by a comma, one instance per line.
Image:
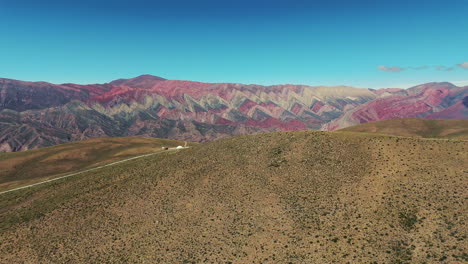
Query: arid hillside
x=21, y=168
x=283, y=197
x=416, y=127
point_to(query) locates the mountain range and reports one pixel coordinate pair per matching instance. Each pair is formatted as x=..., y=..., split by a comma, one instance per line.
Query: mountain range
x=38, y=114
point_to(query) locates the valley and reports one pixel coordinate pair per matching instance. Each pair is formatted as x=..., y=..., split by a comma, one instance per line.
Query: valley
x=28, y=167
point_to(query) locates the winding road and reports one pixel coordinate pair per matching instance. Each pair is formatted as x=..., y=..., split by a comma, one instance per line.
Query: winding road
x=88, y=170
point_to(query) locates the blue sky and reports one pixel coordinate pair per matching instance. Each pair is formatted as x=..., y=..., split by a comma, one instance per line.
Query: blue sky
x=363, y=43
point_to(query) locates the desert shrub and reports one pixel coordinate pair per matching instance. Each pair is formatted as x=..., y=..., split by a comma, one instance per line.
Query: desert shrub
x=402, y=254
x=408, y=219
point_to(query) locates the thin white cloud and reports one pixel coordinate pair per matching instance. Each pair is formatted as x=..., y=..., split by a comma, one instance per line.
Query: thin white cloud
x=423, y=67
x=443, y=68
x=463, y=65
x=390, y=68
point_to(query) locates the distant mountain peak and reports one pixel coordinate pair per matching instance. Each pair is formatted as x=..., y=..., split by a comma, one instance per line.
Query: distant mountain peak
x=447, y=85
x=145, y=78
x=149, y=77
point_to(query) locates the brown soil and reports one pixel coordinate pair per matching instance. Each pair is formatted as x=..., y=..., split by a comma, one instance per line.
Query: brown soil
x=414, y=127
x=291, y=197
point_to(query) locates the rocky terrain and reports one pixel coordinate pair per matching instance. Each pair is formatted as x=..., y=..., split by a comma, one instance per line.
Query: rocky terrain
x=283, y=197
x=432, y=100
x=38, y=114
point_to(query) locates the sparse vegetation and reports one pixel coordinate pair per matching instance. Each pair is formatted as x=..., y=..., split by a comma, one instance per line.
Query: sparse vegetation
x=408, y=219
x=402, y=253
x=337, y=198
x=415, y=127
x=26, y=167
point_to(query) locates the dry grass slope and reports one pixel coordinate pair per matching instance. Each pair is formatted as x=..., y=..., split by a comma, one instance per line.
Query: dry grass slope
x=290, y=197
x=23, y=168
x=415, y=127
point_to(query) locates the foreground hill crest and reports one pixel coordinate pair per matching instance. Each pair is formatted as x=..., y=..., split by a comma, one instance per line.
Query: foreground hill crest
x=282, y=197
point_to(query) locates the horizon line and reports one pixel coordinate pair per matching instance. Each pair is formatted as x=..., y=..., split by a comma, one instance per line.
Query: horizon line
x=458, y=83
